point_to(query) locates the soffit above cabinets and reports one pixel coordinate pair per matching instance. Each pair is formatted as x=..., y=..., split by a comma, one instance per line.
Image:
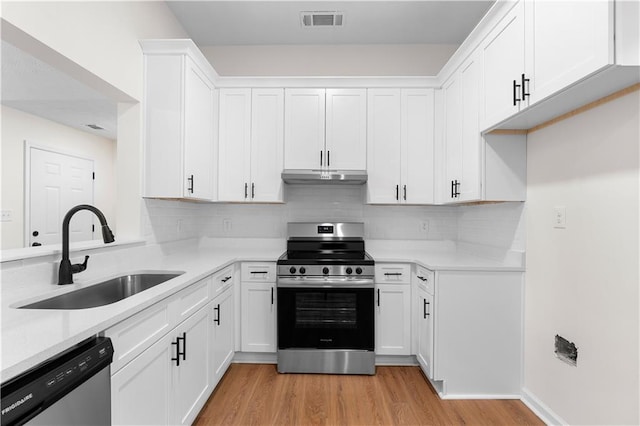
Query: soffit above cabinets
x=211, y=23
x=35, y=87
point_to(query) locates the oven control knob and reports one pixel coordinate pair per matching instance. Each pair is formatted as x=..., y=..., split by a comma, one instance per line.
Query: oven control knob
x=302, y=270
x=292, y=270
x=349, y=271
x=325, y=270
x=358, y=271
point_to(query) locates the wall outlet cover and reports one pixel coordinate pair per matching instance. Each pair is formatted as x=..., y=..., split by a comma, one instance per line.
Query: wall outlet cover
x=559, y=217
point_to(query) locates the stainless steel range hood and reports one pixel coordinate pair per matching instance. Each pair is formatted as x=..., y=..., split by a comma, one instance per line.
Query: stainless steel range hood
x=314, y=177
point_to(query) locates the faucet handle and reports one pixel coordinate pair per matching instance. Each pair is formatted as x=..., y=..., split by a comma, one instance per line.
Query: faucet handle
x=79, y=267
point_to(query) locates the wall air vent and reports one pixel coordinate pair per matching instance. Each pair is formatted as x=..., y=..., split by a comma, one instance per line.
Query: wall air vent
x=321, y=19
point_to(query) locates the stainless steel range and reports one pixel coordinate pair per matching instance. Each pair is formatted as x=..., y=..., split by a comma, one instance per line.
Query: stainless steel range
x=326, y=300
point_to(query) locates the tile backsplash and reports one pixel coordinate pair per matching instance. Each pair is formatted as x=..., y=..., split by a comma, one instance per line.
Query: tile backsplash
x=498, y=225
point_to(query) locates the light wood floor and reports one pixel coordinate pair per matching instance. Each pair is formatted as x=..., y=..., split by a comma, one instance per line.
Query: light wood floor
x=255, y=394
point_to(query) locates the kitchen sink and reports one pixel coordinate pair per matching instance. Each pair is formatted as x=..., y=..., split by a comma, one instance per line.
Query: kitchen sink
x=104, y=293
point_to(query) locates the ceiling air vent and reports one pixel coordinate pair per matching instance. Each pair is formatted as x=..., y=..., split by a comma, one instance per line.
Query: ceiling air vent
x=321, y=19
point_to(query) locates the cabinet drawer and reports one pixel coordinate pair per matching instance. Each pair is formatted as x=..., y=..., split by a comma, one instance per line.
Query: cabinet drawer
x=189, y=300
x=259, y=272
x=426, y=279
x=389, y=273
x=135, y=334
x=222, y=280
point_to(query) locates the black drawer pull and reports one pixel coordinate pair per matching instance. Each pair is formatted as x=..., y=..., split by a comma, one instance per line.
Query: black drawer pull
x=393, y=274
x=422, y=278
x=225, y=279
x=259, y=272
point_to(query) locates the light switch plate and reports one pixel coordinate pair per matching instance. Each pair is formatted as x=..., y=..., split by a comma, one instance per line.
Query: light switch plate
x=560, y=217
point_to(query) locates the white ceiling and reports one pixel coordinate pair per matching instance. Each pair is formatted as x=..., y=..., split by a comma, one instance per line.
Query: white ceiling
x=37, y=88
x=243, y=22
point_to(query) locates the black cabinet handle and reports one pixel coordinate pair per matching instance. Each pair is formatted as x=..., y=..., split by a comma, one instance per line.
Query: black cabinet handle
x=217, y=309
x=328, y=158
x=451, y=189
x=515, y=93
x=190, y=188
x=426, y=314
x=259, y=272
x=179, y=352
x=225, y=279
x=392, y=274
x=36, y=244
x=272, y=295
x=378, y=297
x=524, y=90
x=422, y=278
x=404, y=192
x=397, y=189
x=253, y=190
x=246, y=189
x=455, y=185
x=321, y=157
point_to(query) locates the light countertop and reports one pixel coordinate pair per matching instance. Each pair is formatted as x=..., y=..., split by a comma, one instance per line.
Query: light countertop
x=32, y=336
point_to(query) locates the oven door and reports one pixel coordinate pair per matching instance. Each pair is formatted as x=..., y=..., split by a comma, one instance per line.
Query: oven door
x=326, y=318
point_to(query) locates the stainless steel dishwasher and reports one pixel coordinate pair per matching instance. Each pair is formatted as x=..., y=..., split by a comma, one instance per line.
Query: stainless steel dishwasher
x=71, y=388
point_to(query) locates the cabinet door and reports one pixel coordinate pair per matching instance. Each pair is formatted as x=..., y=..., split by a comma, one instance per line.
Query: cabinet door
x=346, y=132
x=267, y=144
x=393, y=319
x=140, y=391
x=198, y=134
x=383, y=145
x=471, y=142
x=234, y=145
x=258, y=317
x=452, y=135
x=222, y=333
x=503, y=58
x=417, y=146
x=566, y=41
x=425, y=332
x=191, y=380
x=304, y=128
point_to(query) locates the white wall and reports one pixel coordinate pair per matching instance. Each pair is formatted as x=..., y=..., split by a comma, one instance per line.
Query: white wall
x=329, y=60
x=583, y=281
x=97, y=43
x=17, y=127
x=500, y=225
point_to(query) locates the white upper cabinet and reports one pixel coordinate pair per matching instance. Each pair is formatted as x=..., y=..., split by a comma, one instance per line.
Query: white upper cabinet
x=400, y=147
x=462, y=139
x=565, y=42
x=251, y=145
x=178, y=128
x=541, y=48
x=346, y=129
x=325, y=129
x=304, y=128
x=503, y=58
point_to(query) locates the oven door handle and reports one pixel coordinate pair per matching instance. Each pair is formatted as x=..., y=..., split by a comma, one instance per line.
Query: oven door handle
x=316, y=282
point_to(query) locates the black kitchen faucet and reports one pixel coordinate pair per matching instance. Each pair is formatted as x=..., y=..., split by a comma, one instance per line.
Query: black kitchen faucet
x=65, y=274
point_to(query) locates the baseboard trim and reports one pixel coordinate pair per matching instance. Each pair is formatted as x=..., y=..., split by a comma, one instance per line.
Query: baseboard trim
x=540, y=409
x=479, y=396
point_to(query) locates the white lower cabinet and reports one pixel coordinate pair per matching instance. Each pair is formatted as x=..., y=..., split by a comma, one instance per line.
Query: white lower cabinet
x=425, y=317
x=258, y=321
x=170, y=381
x=393, y=319
x=222, y=333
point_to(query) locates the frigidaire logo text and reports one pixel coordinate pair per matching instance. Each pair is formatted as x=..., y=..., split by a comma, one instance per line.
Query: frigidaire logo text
x=17, y=403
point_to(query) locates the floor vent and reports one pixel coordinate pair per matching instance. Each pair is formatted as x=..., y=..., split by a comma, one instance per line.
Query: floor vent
x=321, y=19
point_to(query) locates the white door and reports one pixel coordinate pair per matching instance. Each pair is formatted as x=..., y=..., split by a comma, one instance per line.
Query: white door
x=234, y=145
x=393, y=319
x=417, y=146
x=57, y=183
x=191, y=379
x=567, y=41
x=503, y=59
x=198, y=135
x=471, y=139
x=425, y=332
x=267, y=144
x=258, y=317
x=222, y=334
x=304, y=128
x=383, y=146
x=346, y=137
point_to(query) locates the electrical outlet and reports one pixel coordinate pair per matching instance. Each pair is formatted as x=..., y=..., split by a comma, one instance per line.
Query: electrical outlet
x=7, y=216
x=179, y=225
x=424, y=226
x=226, y=224
x=559, y=217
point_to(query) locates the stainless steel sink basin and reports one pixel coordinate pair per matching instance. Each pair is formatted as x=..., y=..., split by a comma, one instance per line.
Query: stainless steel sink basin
x=104, y=293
